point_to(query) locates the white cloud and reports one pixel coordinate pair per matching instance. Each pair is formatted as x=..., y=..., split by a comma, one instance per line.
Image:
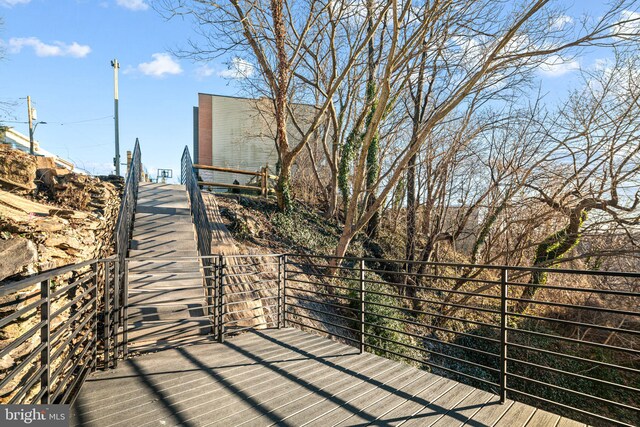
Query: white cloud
x=556, y=66
x=561, y=22
x=204, y=71
x=133, y=4
x=163, y=64
x=238, y=69
x=40, y=48
x=11, y=3
x=629, y=24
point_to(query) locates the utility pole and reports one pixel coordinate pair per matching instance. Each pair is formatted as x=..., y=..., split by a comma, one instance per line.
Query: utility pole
x=116, y=159
x=30, y=113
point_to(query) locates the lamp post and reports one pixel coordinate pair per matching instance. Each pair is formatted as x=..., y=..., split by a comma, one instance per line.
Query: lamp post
x=32, y=126
x=116, y=160
x=31, y=129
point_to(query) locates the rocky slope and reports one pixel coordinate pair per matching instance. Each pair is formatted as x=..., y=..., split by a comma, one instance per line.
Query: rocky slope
x=49, y=218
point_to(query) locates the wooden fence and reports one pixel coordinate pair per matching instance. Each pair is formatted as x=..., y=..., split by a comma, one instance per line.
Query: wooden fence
x=263, y=176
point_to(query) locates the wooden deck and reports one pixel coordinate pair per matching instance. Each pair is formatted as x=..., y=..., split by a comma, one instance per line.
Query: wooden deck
x=288, y=378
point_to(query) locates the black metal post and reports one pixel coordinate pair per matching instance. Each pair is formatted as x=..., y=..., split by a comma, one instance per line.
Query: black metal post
x=116, y=310
x=362, y=307
x=209, y=270
x=45, y=330
x=503, y=334
x=221, y=302
x=280, y=265
x=285, y=261
x=125, y=310
x=106, y=331
x=94, y=329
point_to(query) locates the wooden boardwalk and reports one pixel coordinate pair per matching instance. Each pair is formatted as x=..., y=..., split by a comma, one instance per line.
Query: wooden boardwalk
x=287, y=377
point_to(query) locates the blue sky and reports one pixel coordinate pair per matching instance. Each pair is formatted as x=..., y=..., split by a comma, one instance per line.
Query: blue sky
x=59, y=53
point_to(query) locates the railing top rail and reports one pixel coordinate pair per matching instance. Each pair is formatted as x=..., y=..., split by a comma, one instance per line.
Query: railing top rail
x=13, y=287
x=483, y=266
x=189, y=258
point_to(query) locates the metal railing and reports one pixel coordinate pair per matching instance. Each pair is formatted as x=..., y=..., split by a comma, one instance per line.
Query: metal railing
x=189, y=178
x=569, y=345
x=124, y=225
x=64, y=325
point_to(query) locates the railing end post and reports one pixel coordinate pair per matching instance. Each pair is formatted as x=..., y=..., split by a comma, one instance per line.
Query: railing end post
x=504, y=278
x=45, y=330
x=362, y=307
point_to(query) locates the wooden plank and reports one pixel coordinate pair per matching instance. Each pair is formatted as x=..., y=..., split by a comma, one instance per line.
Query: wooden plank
x=218, y=403
x=492, y=411
x=103, y=395
x=332, y=413
x=349, y=398
x=143, y=407
x=386, y=403
x=567, y=422
x=464, y=410
x=220, y=184
x=543, y=419
x=309, y=391
x=287, y=377
x=229, y=170
x=436, y=410
x=408, y=407
x=517, y=415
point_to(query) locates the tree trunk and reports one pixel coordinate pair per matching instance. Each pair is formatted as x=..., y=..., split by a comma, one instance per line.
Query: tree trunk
x=283, y=188
x=552, y=249
x=333, y=197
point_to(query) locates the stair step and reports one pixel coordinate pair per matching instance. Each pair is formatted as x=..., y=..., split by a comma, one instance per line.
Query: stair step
x=142, y=218
x=160, y=276
x=180, y=245
x=162, y=230
x=153, y=346
x=174, y=312
x=144, y=332
x=167, y=236
x=159, y=253
x=169, y=266
x=178, y=297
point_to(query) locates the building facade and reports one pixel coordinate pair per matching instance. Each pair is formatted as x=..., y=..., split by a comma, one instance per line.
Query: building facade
x=236, y=133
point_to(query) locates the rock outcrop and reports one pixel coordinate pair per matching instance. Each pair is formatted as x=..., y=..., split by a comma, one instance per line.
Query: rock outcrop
x=49, y=217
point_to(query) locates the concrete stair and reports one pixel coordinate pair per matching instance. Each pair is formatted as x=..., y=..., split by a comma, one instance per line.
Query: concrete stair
x=166, y=294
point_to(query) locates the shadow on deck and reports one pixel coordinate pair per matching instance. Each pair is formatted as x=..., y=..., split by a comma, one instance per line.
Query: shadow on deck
x=286, y=377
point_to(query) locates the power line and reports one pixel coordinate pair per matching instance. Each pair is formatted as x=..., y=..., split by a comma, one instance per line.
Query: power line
x=63, y=123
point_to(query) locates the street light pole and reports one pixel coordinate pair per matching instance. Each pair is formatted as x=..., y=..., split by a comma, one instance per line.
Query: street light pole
x=30, y=114
x=116, y=159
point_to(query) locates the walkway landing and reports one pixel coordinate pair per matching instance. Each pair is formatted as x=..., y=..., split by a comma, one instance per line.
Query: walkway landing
x=166, y=298
x=287, y=377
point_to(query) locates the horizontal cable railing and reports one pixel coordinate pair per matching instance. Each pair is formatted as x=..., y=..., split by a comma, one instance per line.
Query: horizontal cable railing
x=563, y=339
x=64, y=325
x=568, y=341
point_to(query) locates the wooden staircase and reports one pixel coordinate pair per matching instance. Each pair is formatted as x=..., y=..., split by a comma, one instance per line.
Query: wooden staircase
x=166, y=295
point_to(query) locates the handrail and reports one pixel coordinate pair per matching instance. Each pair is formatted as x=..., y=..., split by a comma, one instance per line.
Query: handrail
x=198, y=208
x=566, y=378
x=124, y=225
x=75, y=307
x=472, y=333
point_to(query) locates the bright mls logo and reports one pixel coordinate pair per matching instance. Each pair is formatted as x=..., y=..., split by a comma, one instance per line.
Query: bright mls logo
x=34, y=415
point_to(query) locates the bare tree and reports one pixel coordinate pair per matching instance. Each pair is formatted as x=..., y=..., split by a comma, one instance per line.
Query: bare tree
x=474, y=51
x=276, y=37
